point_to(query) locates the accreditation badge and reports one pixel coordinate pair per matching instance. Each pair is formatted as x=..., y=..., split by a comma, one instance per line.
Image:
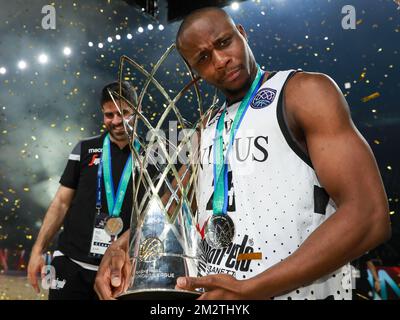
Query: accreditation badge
x=101, y=240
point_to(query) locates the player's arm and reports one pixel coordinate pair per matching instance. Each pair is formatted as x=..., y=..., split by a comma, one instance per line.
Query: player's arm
x=54, y=217
x=346, y=168
x=52, y=223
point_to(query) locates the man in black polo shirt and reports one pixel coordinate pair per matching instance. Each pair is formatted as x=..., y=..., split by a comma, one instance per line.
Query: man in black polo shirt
x=93, y=203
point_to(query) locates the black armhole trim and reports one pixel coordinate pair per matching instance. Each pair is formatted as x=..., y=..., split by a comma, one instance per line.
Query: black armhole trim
x=321, y=200
x=271, y=75
x=284, y=127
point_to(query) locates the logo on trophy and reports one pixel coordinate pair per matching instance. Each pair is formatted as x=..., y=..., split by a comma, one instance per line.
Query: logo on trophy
x=164, y=242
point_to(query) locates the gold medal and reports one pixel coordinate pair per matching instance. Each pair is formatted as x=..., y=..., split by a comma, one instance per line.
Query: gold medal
x=114, y=226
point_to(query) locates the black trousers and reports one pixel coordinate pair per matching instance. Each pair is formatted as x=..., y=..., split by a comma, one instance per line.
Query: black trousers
x=72, y=281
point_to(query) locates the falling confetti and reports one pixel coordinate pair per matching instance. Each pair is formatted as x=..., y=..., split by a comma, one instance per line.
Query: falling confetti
x=371, y=97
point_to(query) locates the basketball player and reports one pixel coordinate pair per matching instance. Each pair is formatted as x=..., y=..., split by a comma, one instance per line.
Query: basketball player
x=300, y=195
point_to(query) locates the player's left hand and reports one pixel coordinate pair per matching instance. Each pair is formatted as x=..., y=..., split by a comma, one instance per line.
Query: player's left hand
x=217, y=287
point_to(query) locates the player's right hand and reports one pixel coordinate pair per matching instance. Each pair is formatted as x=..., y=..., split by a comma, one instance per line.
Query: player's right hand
x=35, y=266
x=114, y=273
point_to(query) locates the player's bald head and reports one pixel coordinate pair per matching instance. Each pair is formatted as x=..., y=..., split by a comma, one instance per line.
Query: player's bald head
x=214, y=14
x=217, y=50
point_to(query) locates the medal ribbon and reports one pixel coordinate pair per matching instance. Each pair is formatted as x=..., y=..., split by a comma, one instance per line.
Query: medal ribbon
x=114, y=200
x=220, y=198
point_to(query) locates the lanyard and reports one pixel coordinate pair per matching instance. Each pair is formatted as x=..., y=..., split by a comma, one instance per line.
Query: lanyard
x=114, y=200
x=220, y=198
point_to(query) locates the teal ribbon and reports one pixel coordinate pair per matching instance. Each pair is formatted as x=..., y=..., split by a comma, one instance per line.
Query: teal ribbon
x=114, y=200
x=220, y=198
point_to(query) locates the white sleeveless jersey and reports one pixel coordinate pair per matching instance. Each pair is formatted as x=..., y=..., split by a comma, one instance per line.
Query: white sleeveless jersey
x=274, y=198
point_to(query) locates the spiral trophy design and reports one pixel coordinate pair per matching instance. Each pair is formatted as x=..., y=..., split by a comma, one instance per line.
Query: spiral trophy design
x=163, y=236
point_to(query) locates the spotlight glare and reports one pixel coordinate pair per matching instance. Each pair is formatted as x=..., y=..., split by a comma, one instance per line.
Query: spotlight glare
x=129, y=36
x=22, y=65
x=235, y=5
x=43, y=59
x=3, y=70
x=161, y=27
x=118, y=37
x=109, y=39
x=150, y=27
x=67, y=51
x=140, y=29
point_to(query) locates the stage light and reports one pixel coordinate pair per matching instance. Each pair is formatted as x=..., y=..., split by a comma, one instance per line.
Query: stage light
x=43, y=59
x=235, y=5
x=22, y=65
x=67, y=51
x=161, y=27
x=118, y=37
x=3, y=70
x=150, y=27
x=109, y=39
x=129, y=36
x=140, y=29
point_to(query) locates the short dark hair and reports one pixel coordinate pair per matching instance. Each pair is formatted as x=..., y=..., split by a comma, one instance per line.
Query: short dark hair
x=194, y=15
x=127, y=91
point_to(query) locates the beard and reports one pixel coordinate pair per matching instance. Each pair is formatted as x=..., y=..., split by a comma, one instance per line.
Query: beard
x=118, y=134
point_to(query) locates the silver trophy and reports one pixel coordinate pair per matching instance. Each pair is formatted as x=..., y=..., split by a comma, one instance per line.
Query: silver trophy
x=164, y=241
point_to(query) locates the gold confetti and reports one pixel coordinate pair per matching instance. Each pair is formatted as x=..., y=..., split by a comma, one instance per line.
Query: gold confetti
x=371, y=97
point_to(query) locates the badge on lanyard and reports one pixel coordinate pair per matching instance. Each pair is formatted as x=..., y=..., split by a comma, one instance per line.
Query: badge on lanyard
x=107, y=227
x=101, y=240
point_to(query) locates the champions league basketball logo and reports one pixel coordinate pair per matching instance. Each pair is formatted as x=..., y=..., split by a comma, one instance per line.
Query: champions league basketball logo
x=263, y=98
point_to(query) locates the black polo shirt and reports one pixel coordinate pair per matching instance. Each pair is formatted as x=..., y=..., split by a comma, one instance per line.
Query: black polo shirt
x=81, y=174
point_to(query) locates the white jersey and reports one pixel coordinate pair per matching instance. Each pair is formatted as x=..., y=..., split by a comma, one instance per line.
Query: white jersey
x=274, y=196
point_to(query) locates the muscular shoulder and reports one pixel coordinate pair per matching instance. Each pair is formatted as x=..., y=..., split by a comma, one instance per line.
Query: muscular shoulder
x=314, y=99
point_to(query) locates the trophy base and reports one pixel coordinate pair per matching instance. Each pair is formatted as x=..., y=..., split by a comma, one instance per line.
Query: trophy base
x=159, y=294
